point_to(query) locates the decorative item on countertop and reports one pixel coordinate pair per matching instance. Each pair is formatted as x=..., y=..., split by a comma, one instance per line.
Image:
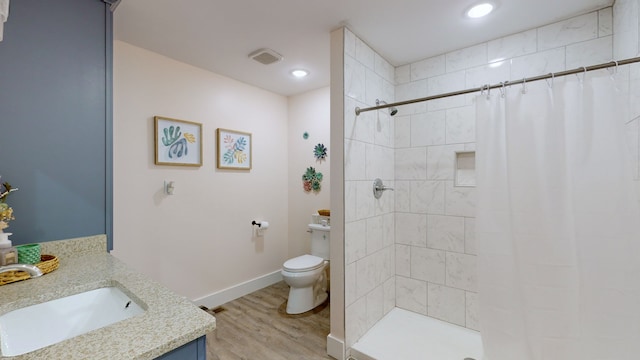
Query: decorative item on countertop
x=28, y=254
x=47, y=264
x=320, y=152
x=311, y=180
x=8, y=253
x=6, y=212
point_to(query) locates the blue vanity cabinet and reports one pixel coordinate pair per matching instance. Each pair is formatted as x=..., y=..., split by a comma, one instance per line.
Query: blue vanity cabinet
x=195, y=350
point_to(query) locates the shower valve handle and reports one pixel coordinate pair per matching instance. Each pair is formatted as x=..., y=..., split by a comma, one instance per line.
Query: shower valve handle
x=378, y=188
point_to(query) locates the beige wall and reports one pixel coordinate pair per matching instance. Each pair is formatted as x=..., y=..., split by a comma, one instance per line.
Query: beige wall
x=308, y=112
x=199, y=240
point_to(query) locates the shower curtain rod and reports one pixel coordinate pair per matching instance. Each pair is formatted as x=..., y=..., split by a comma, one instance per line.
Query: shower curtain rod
x=503, y=84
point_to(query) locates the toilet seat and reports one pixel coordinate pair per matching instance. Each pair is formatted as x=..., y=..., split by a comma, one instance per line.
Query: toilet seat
x=303, y=263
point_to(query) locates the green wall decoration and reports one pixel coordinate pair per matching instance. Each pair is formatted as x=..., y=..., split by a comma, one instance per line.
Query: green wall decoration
x=320, y=152
x=311, y=180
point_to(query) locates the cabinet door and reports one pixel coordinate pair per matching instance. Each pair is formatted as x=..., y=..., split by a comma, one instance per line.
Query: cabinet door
x=195, y=350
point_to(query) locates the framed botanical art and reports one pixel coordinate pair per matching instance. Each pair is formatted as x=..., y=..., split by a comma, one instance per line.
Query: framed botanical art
x=234, y=149
x=177, y=142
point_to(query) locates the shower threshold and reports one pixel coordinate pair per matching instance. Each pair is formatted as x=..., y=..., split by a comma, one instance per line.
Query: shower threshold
x=403, y=334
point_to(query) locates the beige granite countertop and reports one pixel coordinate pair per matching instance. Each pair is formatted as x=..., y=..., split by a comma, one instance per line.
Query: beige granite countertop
x=169, y=321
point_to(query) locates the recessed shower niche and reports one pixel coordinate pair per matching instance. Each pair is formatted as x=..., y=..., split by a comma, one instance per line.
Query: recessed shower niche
x=465, y=168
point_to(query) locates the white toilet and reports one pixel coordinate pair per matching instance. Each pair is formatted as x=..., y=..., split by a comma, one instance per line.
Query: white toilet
x=306, y=274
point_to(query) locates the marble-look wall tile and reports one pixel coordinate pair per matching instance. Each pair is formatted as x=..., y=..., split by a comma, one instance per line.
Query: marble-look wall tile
x=364, y=200
x=358, y=127
x=379, y=162
x=462, y=271
x=388, y=229
x=446, y=304
x=605, y=22
x=511, y=46
x=466, y=58
x=386, y=204
x=375, y=306
x=355, y=248
x=384, y=130
x=443, y=84
x=411, y=229
x=403, y=74
x=354, y=160
x=384, y=69
x=402, y=131
x=389, y=294
x=472, y=311
x=428, y=265
x=494, y=73
x=411, y=164
x=403, y=260
x=349, y=43
x=441, y=161
x=461, y=125
x=428, y=68
x=402, y=196
x=590, y=52
x=428, y=128
x=446, y=233
x=373, y=86
x=410, y=91
x=354, y=79
x=355, y=321
x=364, y=54
x=539, y=63
x=374, y=234
x=350, y=294
x=411, y=295
x=427, y=197
x=459, y=200
x=625, y=28
x=573, y=30
x=470, y=236
x=350, y=205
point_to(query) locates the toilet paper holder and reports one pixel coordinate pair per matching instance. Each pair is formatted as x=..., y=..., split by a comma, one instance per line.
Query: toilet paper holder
x=262, y=225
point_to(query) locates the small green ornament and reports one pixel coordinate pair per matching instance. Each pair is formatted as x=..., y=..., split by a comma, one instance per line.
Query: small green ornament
x=305, y=135
x=320, y=152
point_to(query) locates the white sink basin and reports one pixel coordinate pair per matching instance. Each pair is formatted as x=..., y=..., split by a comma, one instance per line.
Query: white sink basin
x=34, y=327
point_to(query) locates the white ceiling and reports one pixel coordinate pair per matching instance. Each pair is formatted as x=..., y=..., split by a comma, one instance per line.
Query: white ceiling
x=218, y=35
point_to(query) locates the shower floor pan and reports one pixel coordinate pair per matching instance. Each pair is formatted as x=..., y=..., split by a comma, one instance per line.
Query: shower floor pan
x=403, y=334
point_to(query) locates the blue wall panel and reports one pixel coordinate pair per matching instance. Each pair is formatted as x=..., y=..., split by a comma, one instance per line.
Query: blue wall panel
x=53, y=118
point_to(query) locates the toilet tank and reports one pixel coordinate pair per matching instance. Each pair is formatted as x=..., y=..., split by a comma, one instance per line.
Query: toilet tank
x=320, y=235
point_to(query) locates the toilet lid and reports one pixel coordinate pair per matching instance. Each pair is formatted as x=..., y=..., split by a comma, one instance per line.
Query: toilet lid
x=303, y=263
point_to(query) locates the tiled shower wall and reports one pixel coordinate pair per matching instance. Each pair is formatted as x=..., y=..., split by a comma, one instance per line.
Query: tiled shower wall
x=369, y=223
x=415, y=248
x=435, y=245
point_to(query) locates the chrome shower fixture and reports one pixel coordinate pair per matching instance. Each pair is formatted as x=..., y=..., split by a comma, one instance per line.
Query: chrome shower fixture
x=392, y=110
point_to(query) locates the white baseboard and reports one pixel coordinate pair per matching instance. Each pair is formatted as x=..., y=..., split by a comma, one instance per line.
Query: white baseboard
x=231, y=293
x=335, y=347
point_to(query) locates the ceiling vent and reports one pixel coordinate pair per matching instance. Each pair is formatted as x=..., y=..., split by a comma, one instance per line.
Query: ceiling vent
x=265, y=56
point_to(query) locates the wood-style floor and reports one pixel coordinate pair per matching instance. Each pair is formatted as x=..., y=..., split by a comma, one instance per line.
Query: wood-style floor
x=256, y=327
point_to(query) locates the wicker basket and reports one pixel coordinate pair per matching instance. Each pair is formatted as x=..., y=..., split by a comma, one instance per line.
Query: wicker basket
x=47, y=264
x=324, y=212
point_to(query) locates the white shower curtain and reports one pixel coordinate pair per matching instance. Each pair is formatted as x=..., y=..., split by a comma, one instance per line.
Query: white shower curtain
x=557, y=222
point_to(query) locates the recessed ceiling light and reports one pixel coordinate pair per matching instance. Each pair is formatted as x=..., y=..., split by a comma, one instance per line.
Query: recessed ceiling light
x=480, y=10
x=299, y=73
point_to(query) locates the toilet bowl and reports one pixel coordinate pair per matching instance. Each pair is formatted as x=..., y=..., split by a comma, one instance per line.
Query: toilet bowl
x=308, y=282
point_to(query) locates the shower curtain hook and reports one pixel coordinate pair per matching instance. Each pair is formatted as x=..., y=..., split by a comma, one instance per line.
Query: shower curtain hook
x=524, y=86
x=584, y=75
x=552, y=78
x=502, y=89
x=488, y=92
x=614, y=71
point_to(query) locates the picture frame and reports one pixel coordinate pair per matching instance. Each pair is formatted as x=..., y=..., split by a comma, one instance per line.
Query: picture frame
x=177, y=142
x=234, y=149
